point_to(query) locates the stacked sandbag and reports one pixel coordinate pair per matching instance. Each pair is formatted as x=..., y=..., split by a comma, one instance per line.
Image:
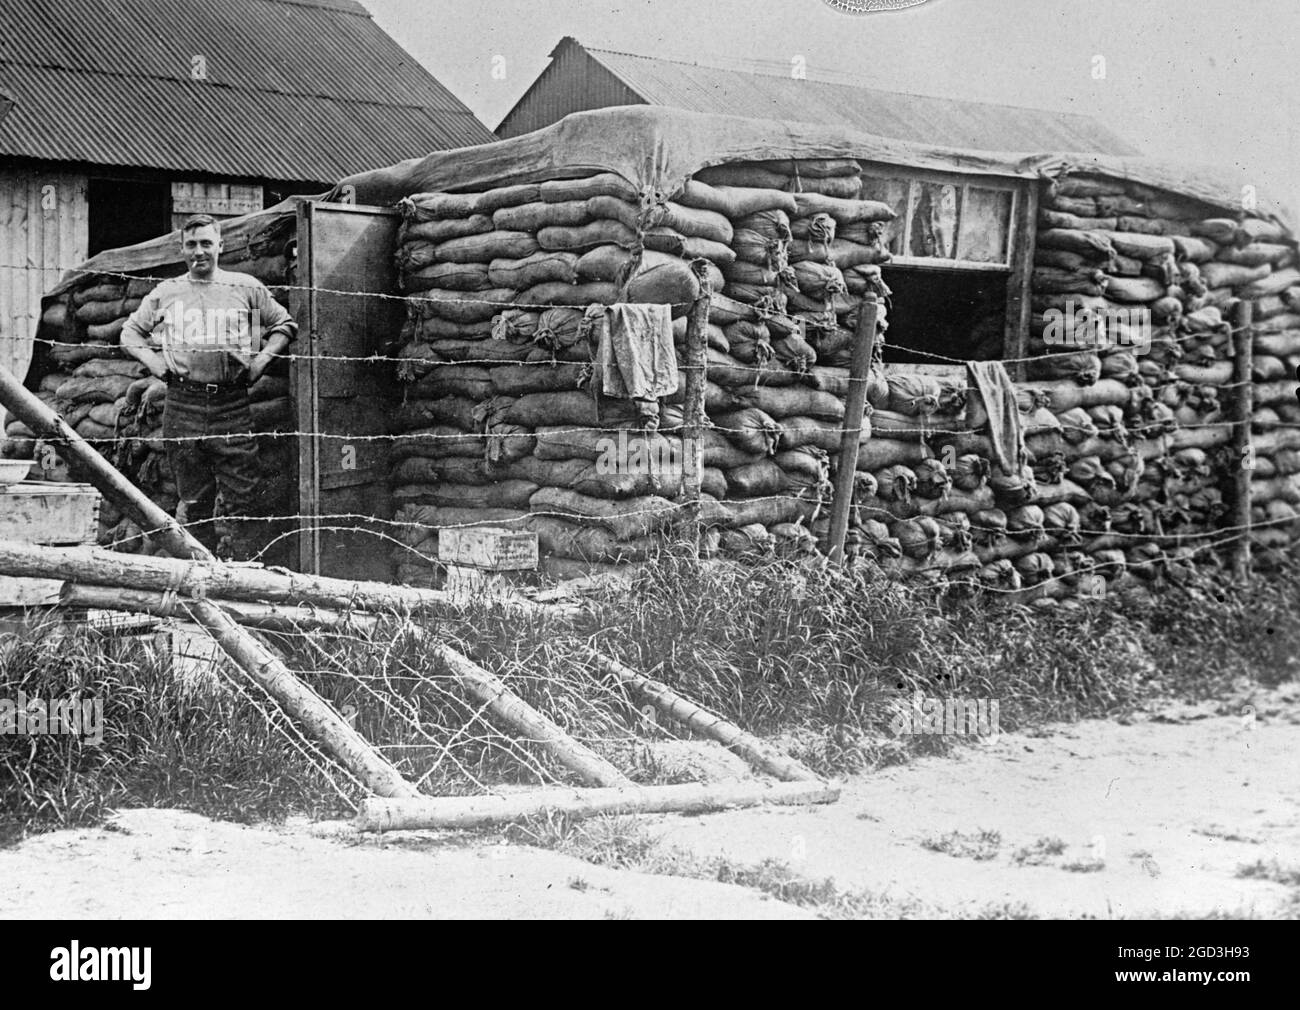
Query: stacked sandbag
x=1275, y=427
x=496, y=346
x=80, y=370
x=498, y=416
x=1106, y=247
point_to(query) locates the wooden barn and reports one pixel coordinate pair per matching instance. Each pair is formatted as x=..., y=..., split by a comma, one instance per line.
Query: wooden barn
x=580, y=78
x=118, y=120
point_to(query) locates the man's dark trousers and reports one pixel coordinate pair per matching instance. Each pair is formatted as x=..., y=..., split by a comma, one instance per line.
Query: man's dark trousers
x=210, y=446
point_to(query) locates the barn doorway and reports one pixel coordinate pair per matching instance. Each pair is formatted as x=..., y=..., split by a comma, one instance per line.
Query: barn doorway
x=123, y=212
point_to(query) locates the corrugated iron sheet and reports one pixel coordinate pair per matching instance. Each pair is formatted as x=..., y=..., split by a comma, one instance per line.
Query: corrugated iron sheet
x=917, y=118
x=294, y=90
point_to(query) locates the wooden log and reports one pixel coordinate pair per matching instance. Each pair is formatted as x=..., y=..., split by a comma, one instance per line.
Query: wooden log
x=1243, y=406
x=864, y=344
x=694, y=417
x=204, y=578
x=29, y=592
x=759, y=753
x=513, y=711
x=481, y=811
x=506, y=706
x=301, y=702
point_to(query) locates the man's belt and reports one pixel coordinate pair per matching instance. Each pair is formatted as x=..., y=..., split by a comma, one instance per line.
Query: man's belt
x=210, y=388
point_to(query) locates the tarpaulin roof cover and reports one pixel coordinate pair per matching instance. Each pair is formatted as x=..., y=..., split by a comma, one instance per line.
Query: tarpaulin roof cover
x=661, y=147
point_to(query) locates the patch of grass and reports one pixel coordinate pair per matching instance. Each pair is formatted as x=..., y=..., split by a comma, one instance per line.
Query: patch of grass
x=1006, y=910
x=1090, y=865
x=815, y=657
x=1272, y=871
x=165, y=743
x=981, y=845
x=628, y=843
x=821, y=659
x=223, y=749
x=1039, y=853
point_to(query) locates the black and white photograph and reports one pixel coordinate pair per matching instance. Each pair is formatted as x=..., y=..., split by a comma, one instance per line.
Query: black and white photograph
x=650, y=460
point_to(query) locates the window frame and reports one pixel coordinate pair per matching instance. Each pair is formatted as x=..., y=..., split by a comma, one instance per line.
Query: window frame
x=918, y=176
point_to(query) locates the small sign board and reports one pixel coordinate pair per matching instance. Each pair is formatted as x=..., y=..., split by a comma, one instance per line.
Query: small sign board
x=489, y=548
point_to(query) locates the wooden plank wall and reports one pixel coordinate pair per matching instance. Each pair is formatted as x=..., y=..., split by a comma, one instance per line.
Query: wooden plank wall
x=43, y=232
x=220, y=199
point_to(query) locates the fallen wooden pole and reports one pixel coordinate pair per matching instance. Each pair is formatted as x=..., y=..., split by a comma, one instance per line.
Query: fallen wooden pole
x=301, y=702
x=760, y=754
x=210, y=578
x=481, y=811
x=501, y=703
x=512, y=710
x=864, y=344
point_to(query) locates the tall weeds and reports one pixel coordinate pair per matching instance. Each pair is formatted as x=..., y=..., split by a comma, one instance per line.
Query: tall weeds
x=804, y=653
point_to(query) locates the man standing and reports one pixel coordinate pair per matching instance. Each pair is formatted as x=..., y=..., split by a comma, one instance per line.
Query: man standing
x=209, y=335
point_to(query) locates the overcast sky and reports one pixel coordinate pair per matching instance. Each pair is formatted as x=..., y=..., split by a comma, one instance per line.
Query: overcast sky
x=1205, y=81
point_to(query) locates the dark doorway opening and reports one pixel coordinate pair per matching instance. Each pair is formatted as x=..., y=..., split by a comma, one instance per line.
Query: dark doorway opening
x=126, y=211
x=953, y=313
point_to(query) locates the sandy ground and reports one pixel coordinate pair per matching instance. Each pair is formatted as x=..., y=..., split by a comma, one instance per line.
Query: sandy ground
x=170, y=864
x=1156, y=818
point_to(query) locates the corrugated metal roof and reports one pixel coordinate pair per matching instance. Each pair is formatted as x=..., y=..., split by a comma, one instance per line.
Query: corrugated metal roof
x=918, y=118
x=308, y=90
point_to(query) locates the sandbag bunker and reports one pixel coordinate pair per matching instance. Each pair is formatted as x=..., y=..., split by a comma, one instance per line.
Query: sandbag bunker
x=1083, y=376
x=1129, y=466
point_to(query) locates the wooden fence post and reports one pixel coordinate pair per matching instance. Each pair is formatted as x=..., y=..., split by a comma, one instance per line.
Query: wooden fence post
x=694, y=418
x=1243, y=407
x=864, y=345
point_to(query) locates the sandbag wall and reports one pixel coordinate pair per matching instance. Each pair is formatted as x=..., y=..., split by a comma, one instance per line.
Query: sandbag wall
x=1143, y=430
x=499, y=423
x=80, y=370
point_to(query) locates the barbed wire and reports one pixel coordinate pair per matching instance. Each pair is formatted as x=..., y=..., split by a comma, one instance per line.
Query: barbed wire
x=422, y=435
